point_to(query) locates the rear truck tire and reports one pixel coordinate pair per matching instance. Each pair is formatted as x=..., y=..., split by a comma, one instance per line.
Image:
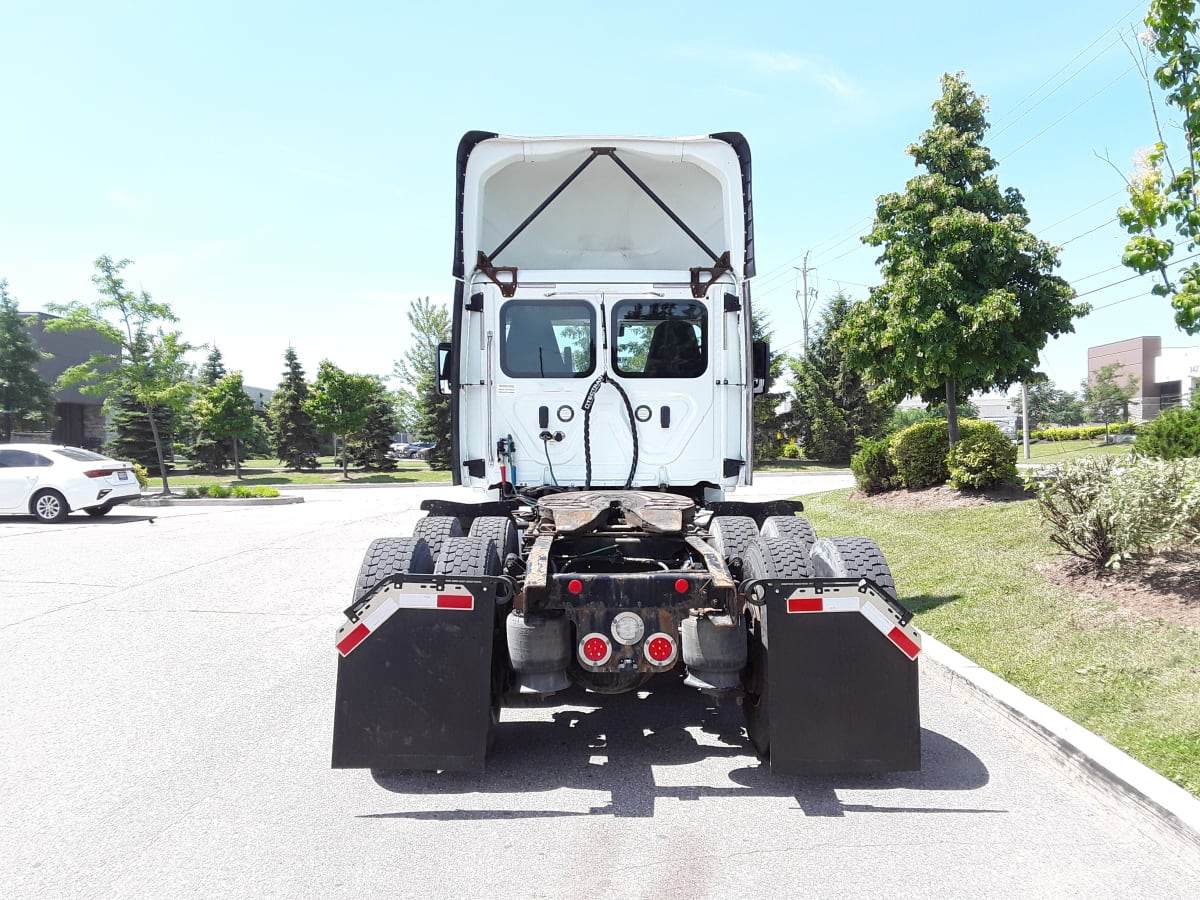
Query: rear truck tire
x=437, y=530
x=499, y=529
x=391, y=556
x=853, y=557
x=768, y=557
x=98, y=511
x=49, y=506
x=793, y=528
x=417, y=691
x=477, y=555
x=844, y=697
x=730, y=536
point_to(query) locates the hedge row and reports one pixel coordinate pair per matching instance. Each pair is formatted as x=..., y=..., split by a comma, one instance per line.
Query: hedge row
x=1082, y=432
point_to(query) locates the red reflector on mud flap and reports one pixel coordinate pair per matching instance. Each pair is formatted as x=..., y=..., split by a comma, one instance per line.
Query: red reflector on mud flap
x=875, y=609
x=907, y=646
x=384, y=604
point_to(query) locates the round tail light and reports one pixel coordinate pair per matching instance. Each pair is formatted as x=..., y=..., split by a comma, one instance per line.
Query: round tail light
x=661, y=649
x=594, y=649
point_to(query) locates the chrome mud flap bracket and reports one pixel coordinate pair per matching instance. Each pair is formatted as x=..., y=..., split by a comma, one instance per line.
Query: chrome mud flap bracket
x=842, y=686
x=414, y=679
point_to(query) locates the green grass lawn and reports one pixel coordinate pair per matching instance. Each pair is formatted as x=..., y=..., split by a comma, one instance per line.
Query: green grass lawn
x=796, y=465
x=968, y=575
x=1061, y=451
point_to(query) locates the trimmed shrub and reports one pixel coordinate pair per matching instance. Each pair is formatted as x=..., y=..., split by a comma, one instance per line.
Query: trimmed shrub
x=789, y=451
x=1082, y=432
x=1175, y=434
x=919, y=453
x=874, y=471
x=142, y=476
x=982, y=458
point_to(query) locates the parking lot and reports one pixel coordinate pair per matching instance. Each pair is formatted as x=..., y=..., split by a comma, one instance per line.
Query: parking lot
x=166, y=700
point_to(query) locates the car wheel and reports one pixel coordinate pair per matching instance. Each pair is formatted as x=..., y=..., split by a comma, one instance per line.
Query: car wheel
x=98, y=511
x=49, y=506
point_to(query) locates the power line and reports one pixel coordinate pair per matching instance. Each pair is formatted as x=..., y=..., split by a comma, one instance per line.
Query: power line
x=1070, y=112
x=1103, y=224
x=1082, y=211
x=1099, y=37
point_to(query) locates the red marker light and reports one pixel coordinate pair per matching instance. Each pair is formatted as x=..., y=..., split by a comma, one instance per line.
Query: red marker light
x=681, y=586
x=595, y=649
x=660, y=649
x=575, y=586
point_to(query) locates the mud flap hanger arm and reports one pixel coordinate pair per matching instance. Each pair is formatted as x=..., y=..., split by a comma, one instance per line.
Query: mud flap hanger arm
x=505, y=277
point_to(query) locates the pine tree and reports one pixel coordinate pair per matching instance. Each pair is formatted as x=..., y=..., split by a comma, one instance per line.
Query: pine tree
x=430, y=324
x=292, y=431
x=208, y=452
x=832, y=409
x=135, y=438
x=371, y=447
x=25, y=397
x=767, y=421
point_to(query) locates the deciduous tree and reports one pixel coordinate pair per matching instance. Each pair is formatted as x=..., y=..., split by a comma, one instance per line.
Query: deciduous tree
x=968, y=297
x=1105, y=398
x=226, y=412
x=338, y=403
x=1163, y=189
x=1049, y=405
x=149, y=366
x=25, y=397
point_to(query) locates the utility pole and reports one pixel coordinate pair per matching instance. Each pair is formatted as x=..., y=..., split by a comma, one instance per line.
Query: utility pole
x=802, y=296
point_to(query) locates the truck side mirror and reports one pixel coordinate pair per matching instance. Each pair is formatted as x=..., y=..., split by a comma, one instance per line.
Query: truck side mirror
x=760, y=355
x=444, y=362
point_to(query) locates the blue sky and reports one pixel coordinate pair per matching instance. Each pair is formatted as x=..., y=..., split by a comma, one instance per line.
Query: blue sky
x=283, y=173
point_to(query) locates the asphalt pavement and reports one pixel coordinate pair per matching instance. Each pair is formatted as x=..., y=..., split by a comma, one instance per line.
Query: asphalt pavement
x=166, y=700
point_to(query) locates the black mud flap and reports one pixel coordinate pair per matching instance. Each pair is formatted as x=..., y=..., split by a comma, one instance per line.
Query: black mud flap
x=414, y=675
x=842, y=687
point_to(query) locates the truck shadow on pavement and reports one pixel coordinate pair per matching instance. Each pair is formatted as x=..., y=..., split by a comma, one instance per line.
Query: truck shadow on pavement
x=612, y=744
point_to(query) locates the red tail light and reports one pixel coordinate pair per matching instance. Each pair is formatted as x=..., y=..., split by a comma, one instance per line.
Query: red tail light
x=660, y=649
x=100, y=473
x=595, y=649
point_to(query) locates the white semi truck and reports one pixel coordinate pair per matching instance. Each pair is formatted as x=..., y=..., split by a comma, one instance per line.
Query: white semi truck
x=601, y=377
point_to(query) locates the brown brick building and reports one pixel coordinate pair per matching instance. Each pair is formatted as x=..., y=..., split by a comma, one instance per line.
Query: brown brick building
x=1165, y=375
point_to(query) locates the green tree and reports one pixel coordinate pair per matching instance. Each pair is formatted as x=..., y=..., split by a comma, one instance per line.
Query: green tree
x=338, y=402
x=1163, y=189
x=1105, y=398
x=768, y=423
x=371, y=447
x=1049, y=405
x=293, y=434
x=226, y=412
x=134, y=440
x=831, y=408
x=968, y=299
x=25, y=396
x=208, y=452
x=404, y=401
x=417, y=371
x=149, y=366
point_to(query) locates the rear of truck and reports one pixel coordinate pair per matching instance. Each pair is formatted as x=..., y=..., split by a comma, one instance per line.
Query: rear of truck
x=601, y=376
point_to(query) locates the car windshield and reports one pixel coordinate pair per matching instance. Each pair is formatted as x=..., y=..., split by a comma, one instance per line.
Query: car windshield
x=79, y=455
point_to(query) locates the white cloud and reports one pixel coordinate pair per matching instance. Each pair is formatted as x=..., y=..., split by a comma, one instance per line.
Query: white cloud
x=120, y=197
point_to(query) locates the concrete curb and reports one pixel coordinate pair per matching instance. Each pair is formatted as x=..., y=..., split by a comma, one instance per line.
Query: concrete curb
x=1120, y=779
x=215, y=501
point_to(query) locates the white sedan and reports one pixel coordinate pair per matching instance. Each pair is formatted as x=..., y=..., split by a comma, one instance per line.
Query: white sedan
x=48, y=481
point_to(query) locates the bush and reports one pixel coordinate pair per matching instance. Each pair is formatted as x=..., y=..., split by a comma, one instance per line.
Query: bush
x=789, y=451
x=982, y=458
x=142, y=476
x=919, y=453
x=872, y=466
x=1175, y=434
x=1106, y=509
